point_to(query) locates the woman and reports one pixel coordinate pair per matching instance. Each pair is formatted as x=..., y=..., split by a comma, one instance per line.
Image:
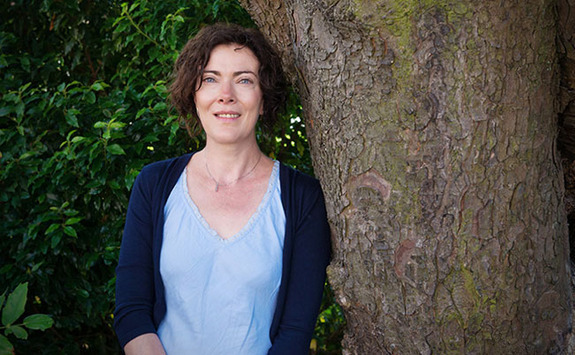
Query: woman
x=224, y=251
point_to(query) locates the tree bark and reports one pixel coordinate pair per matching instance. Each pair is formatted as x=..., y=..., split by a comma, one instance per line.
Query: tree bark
x=566, y=139
x=566, y=49
x=433, y=128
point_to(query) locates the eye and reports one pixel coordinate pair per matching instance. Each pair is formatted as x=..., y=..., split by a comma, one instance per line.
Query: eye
x=246, y=81
x=209, y=79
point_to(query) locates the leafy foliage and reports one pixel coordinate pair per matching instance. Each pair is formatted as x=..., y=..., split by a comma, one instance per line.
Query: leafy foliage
x=82, y=109
x=11, y=311
x=329, y=327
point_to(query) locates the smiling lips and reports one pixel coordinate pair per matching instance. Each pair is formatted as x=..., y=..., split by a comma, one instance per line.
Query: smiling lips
x=227, y=115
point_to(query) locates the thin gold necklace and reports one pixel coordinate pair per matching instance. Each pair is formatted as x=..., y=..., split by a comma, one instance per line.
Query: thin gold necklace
x=234, y=181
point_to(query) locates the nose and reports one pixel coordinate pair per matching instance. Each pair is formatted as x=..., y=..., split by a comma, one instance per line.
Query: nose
x=226, y=94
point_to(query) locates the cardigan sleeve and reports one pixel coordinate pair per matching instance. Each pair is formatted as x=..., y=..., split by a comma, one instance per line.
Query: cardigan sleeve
x=135, y=272
x=309, y=259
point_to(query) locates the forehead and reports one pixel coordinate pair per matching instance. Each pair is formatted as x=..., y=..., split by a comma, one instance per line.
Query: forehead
x=232, y=56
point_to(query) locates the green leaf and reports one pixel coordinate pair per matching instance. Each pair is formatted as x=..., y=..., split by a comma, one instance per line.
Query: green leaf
x=132, y=8
x=100, y=124
x=73, y=83
x=15, y=304
x=26, y=155
x=74, y=220
x=38, y=321
x=121, y=27
x=70, y=231
x=114, y=185
x=71, y=213
x=36, y=266
x=117, y=125
x=140, y=112
x=97, y=87
x=25, y=61
x=19, y=109
x=56, y=240
x=11, y=97
x=6, y=347
x=5, y=110
x=18, y=332
x=70, y=134
x=90, y=97
x=52, y=228
x=2, y=299
x=115, y=149
x=150, y=138
x=24, y=87
x=71, y=117
x=160, y=106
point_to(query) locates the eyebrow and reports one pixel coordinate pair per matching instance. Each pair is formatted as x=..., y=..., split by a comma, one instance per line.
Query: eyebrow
x=237, y=73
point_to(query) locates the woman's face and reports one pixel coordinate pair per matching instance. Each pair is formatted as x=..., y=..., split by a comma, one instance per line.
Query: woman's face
x=229, y=99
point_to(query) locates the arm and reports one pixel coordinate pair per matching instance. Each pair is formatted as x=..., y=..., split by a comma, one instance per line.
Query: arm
x=135, y=271
x=146, y=344
x=310, y=257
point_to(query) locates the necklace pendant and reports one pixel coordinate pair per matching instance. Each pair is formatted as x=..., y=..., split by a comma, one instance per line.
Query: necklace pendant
x=236, y=180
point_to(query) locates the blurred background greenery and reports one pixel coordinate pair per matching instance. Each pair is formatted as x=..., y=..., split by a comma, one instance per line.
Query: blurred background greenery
x=82, y=109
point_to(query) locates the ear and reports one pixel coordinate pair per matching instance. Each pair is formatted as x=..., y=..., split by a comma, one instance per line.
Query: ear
x=262, y=109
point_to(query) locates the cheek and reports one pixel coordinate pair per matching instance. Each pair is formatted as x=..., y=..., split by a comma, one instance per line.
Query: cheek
x=199, y=99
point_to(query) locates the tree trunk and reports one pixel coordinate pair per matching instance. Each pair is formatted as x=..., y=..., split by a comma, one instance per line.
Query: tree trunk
x=433, y=130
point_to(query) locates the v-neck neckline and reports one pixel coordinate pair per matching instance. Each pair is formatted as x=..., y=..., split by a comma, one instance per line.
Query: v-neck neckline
x=273, y=180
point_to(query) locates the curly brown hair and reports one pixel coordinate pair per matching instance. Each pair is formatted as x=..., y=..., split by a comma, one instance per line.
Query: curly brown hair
x=195, y=55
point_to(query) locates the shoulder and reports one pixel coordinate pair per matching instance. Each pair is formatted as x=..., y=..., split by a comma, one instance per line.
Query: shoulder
x=300, y=192
x=295, y=179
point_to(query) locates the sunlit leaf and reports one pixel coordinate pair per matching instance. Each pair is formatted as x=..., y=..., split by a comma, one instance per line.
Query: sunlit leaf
x=100, y=124
x=160, y=106
x=74, y=220
x=99, y=86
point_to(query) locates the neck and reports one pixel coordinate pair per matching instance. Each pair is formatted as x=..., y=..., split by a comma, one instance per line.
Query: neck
x=228, y=163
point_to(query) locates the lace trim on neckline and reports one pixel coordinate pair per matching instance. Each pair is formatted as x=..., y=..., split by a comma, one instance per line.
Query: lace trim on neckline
x=264, y=203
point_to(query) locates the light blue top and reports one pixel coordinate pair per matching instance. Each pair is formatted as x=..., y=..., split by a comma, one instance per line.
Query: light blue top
x=220, y=293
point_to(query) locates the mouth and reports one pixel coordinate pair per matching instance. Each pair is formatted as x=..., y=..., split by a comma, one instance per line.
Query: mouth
x=227, y=115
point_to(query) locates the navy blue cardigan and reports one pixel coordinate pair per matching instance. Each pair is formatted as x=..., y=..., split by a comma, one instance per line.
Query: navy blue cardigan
x=140, y=300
